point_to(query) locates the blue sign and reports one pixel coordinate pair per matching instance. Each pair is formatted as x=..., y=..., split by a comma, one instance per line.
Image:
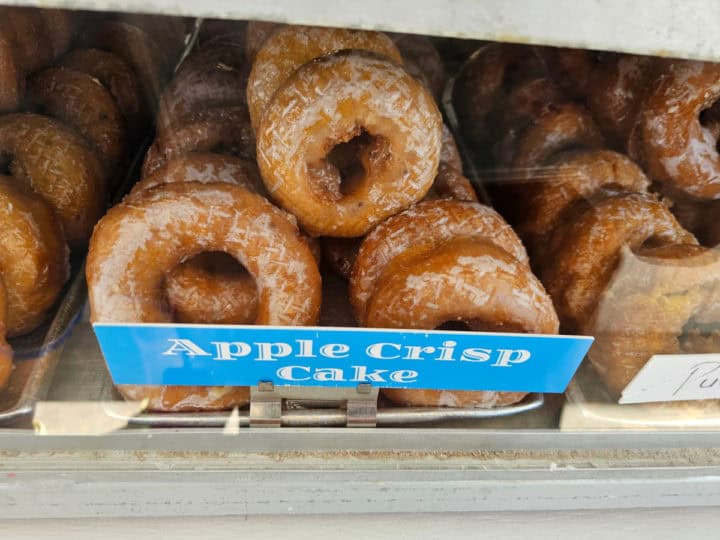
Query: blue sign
x=177, y=354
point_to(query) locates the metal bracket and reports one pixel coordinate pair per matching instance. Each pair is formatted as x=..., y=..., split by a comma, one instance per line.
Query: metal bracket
x=267, y=401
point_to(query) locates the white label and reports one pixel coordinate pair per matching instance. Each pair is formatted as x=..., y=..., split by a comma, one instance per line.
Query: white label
x=675, y=377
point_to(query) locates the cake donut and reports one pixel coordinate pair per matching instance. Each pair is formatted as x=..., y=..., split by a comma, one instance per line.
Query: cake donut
x=585, y=249
x=162, y=227
x=572, y=69
x=331, y=101
x=6, y=352
x=572, y=176
x=57, y=164
x=290, y=47
x=427, y=223
x=117, y=77
x=33, y=258
x=82, y=102
x=465, y=279
x=677, y=149
x=659, y=301
x=213, y=76
x=224, y=130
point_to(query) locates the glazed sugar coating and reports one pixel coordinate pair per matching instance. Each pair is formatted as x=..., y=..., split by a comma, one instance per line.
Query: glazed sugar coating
x=81, y=101
x=652, y=305
x=138, y=50
x=137, y=243
x=564, y=127
x=117, y=76
x=333, y=100
x=677, y=149
x=256, y=33
x=205, y=168
x=33, y=257
x=427, y=223
x=225, y=130
x=210, y=77
x=12, y=77
x=212, y=288
x=616, y=92
x=468, y=280
x=289, y=48
x=584, y=251
x=57, y=165
x=6, y=353
x=569, y=177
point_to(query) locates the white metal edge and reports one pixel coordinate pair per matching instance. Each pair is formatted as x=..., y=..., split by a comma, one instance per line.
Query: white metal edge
x=685, y=28
x=214, y=493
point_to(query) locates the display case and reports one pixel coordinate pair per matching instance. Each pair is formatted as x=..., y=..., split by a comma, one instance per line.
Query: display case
x=562, y=356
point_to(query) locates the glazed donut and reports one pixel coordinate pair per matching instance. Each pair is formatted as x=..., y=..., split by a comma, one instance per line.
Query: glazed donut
x=138, y=50
x=256, y=33
x=289, y=48
x=571, y=69
x=331, y=101
x=59, y=26
x=570, y=177
x=12, y=76
x=117, y=77
x=125, y=285
x=423, y=61
x=6, y=352
x=211, y=77
x=33, y=260
x=617, y=88
x=585, y=249
x=677, y=149
x=482, y=82
x=658, y=302
x=58, y=166
x=80, y=101
x=468, y=280
x=224, y=130
x=426, y=223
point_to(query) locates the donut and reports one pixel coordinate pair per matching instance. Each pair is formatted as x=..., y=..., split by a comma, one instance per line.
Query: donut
x=449, y=152
x=117, y=77
x=467, y=280
x=59, y=26
x=169, y=33
x=572, y=69
x=138, y=50
x=55, y=163
x=81, y=101
x=256, y=33
x=289, y=48
x=427, y=223
x=423, y=61
x=331, y=101
x=615, y=94
x=450, y=183
x=12, y=76
x=222, y=29
x=210, y=77
x=6, y=352
x=224, y=130
x=570, y=177
x=676, y=148
x=482, y=83
x=584, y=250
x=659, y=301
x=25, y=28
x=33, y=260
x=136, y=244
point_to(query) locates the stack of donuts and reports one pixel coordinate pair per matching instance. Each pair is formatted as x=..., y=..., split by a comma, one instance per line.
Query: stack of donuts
x=332, y=138
x=63, y=153
x=597, y=222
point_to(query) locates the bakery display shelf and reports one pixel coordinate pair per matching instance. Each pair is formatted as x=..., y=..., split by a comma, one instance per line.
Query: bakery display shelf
x=662, y=27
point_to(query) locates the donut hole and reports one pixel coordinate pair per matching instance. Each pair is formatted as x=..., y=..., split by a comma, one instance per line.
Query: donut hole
x=479, y=325
x=347, y=163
